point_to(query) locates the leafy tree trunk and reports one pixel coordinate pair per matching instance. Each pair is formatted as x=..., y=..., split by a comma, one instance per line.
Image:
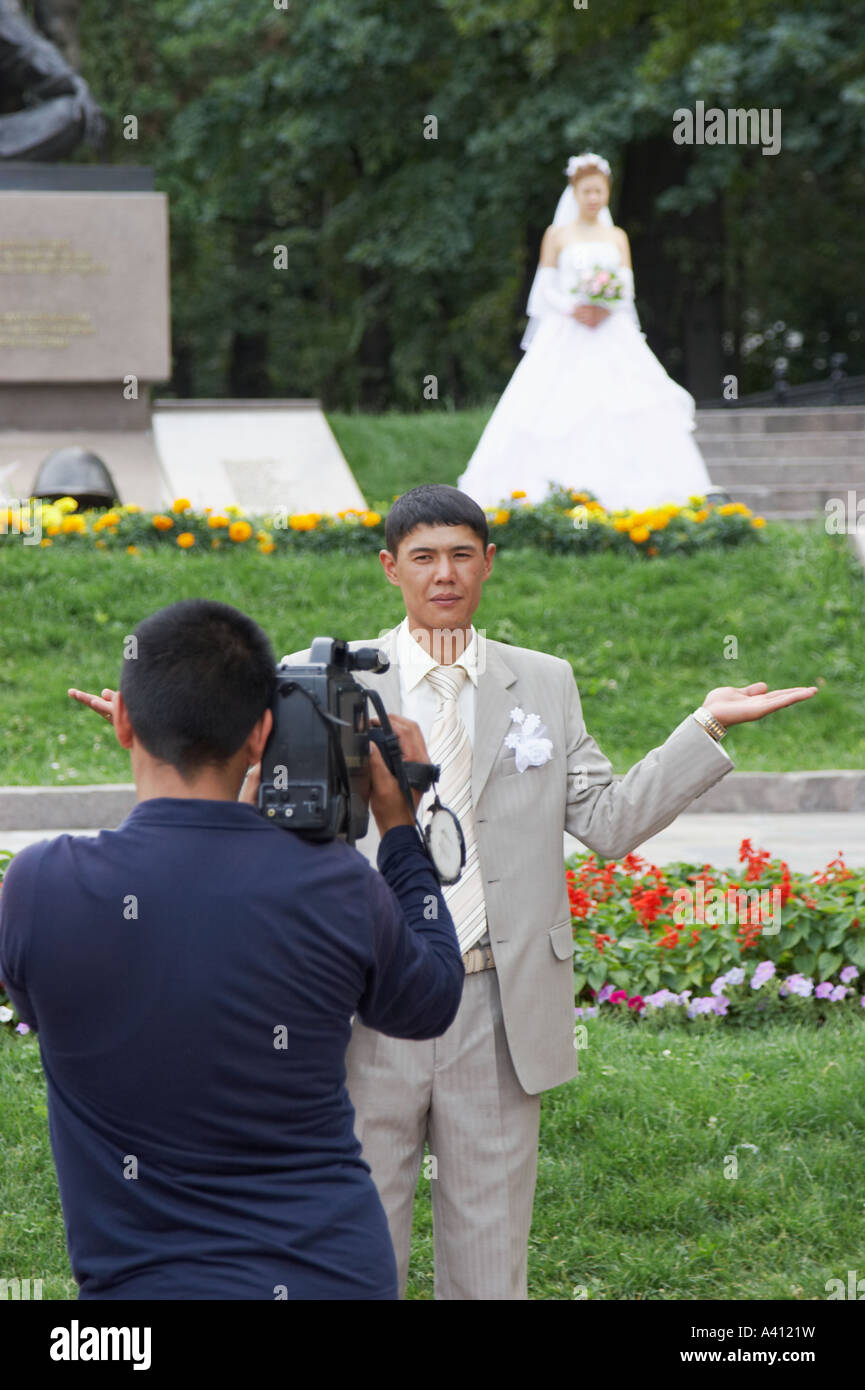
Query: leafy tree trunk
x=679, y=293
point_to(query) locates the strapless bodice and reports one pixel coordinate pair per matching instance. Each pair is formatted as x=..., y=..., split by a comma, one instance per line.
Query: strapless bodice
x=585, y=255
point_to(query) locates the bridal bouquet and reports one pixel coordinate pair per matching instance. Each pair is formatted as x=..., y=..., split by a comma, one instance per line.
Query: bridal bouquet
x=599, y=286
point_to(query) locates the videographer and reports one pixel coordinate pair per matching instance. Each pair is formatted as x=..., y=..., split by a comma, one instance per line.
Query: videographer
x=193, y=977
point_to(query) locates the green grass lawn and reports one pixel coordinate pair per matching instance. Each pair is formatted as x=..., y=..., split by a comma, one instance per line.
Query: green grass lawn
x=646, y=639
x=632, y=1199
x=391, y=453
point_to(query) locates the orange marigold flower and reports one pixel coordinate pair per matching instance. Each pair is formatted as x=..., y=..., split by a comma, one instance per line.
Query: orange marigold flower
x=216, y=522
x=73, y=525
x=639, y=534
x=517, y=493
x=266, y=547
x=371, y=518
x=182, y=504
x=185, y=539
x=162, y=523
x=239, y=531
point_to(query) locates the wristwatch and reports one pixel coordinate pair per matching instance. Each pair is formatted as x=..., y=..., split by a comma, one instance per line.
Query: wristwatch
x=712, y=725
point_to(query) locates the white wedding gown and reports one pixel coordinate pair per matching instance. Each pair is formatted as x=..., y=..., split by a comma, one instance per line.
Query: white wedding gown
x=591, y=409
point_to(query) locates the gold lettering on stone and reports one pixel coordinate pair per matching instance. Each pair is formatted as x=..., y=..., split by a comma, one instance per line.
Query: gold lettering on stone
x=47, y=257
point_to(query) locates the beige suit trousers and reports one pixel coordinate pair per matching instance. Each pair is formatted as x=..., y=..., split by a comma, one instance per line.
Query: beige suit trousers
x=459, y=1094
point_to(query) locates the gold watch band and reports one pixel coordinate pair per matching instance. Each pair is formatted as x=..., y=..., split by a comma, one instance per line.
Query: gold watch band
x=708, y=721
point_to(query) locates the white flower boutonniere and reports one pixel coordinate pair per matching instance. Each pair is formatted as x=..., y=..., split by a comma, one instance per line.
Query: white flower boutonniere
x=528, y=740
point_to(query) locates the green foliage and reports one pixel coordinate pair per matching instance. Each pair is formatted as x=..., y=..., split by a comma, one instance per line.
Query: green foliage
x=303, y=127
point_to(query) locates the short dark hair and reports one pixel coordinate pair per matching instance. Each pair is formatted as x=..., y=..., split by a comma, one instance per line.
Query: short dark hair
x=433, y=504
x=197, y=679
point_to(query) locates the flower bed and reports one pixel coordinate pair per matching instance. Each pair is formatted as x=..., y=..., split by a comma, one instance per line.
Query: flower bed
x=690, y=941
x=565, y=521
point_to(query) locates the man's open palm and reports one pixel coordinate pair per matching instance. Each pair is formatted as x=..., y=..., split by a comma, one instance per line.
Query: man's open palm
x=103, y=704
x=737, y=704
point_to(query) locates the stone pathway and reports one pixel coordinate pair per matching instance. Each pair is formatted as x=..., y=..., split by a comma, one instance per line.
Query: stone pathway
x=806, y=841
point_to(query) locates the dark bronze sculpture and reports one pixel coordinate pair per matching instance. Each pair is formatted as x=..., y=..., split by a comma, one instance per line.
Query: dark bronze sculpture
x=46, y=108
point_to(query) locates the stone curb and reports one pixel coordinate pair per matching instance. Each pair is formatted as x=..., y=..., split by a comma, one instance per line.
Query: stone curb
x=106, y=805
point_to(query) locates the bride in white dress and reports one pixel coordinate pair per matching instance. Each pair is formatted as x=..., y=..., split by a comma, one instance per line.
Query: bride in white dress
x=589, y=407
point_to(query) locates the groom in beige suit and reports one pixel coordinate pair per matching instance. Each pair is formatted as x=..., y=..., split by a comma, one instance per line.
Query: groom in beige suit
x=473, y=1095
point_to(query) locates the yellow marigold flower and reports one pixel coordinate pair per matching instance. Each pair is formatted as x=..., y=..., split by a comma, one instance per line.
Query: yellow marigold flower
x=517, y=493
x=696, y=500
x=45, y=541
x=639, y=534
x=370, y=518
x=579, y=497
x=73, y=525
x=186, y=539
x=702, y=514
x=266, y=547
x=235, y=511
x=182, y=504
x=239, y=531
x=131, y=508
x=758, y=521
x=501, y=517
x=132, y=550
x=162, y=523
x=207, y=511
x=66, y=504
x=622, y=523
x=216, y=521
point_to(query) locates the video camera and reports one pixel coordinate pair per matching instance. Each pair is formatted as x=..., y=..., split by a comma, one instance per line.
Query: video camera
x=315, y=776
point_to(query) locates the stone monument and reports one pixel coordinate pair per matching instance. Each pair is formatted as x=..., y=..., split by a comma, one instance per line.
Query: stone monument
x=84, y=315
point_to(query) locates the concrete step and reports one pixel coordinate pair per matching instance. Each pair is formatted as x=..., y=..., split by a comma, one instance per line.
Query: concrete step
x=54, y=809
x=820, y=473
x=848, y=448
x=792, y=419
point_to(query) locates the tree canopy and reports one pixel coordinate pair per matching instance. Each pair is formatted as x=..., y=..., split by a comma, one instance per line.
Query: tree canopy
x=408, y=157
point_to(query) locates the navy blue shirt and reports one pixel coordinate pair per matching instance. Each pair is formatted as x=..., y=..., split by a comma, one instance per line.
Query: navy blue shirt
x=192, y=976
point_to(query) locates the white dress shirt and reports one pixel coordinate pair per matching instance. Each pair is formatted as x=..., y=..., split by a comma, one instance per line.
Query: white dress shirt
x=418, y=699
x=417, y=695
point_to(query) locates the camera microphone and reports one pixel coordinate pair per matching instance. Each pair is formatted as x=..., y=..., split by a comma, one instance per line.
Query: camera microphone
x=370, y=659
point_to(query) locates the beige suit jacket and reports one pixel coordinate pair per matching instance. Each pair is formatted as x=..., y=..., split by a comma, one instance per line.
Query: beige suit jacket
x=520, y=820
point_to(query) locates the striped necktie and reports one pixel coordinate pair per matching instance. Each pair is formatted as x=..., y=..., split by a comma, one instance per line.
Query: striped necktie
x=451, y=748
